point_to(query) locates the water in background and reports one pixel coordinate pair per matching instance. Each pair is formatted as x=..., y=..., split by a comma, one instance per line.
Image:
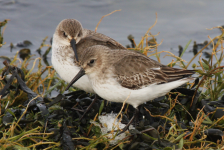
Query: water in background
x=178, y=21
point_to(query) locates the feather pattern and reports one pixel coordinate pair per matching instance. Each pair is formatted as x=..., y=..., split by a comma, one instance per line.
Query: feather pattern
x=121, y=74
x=141, y=70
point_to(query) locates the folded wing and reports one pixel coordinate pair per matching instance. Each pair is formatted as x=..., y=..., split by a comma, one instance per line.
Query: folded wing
x=142, y=71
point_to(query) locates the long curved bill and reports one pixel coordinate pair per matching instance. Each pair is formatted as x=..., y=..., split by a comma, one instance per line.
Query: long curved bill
x=73, y=45
x=79, y=75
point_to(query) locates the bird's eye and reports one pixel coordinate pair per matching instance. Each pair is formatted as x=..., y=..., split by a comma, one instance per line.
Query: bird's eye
x=64, y=34
x=79, y=34
x=92, y=61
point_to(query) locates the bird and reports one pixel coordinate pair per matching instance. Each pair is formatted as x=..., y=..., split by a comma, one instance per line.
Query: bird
x=123, y=74
x=69, y=41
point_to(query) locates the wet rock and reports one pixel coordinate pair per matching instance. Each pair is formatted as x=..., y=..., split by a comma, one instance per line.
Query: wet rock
x=180, y=50
x=25, y=43
x=24, y=53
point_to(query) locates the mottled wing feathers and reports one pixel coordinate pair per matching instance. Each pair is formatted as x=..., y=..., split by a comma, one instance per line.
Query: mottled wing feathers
x=93, y=40
x=138, y=73
x=142, y=71
x=110, y=42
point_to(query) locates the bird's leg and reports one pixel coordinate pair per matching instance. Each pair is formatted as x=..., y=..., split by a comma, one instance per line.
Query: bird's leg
x=129, y=123
x=136, y=117
x=95, y=99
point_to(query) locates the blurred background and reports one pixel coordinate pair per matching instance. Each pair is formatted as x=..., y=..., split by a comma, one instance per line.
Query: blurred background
x=178, y=21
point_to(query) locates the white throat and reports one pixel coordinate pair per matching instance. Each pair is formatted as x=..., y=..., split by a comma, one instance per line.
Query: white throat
x=63, y=62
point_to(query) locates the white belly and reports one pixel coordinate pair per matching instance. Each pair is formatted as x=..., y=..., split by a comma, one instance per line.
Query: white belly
x=67, y=72
x=113, y=91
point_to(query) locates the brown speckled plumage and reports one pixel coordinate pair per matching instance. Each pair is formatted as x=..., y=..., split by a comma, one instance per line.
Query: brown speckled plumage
x=133, y=70
x=63, y=56
x=94, y=40
x=71, y=28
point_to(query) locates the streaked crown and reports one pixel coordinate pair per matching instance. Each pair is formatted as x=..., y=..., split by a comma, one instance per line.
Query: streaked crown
x=70, y=28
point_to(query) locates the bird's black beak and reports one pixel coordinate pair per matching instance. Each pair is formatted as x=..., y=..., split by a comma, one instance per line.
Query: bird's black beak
x=73, y=45
x=79, y=75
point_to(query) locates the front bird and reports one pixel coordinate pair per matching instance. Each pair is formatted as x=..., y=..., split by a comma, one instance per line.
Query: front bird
x=122, y=74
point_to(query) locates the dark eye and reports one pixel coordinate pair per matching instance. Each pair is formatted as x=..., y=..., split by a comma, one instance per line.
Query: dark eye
x=79, y=34
x=64, y=34
x=92, y=61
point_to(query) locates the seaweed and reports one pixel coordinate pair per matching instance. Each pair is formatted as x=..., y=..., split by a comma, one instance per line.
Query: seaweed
x=188, y=117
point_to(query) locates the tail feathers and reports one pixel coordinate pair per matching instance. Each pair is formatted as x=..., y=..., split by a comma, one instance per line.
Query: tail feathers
x=173, y=74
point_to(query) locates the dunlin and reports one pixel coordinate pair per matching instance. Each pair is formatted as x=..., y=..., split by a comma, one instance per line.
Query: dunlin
x=69, y=40
x=122, y=74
